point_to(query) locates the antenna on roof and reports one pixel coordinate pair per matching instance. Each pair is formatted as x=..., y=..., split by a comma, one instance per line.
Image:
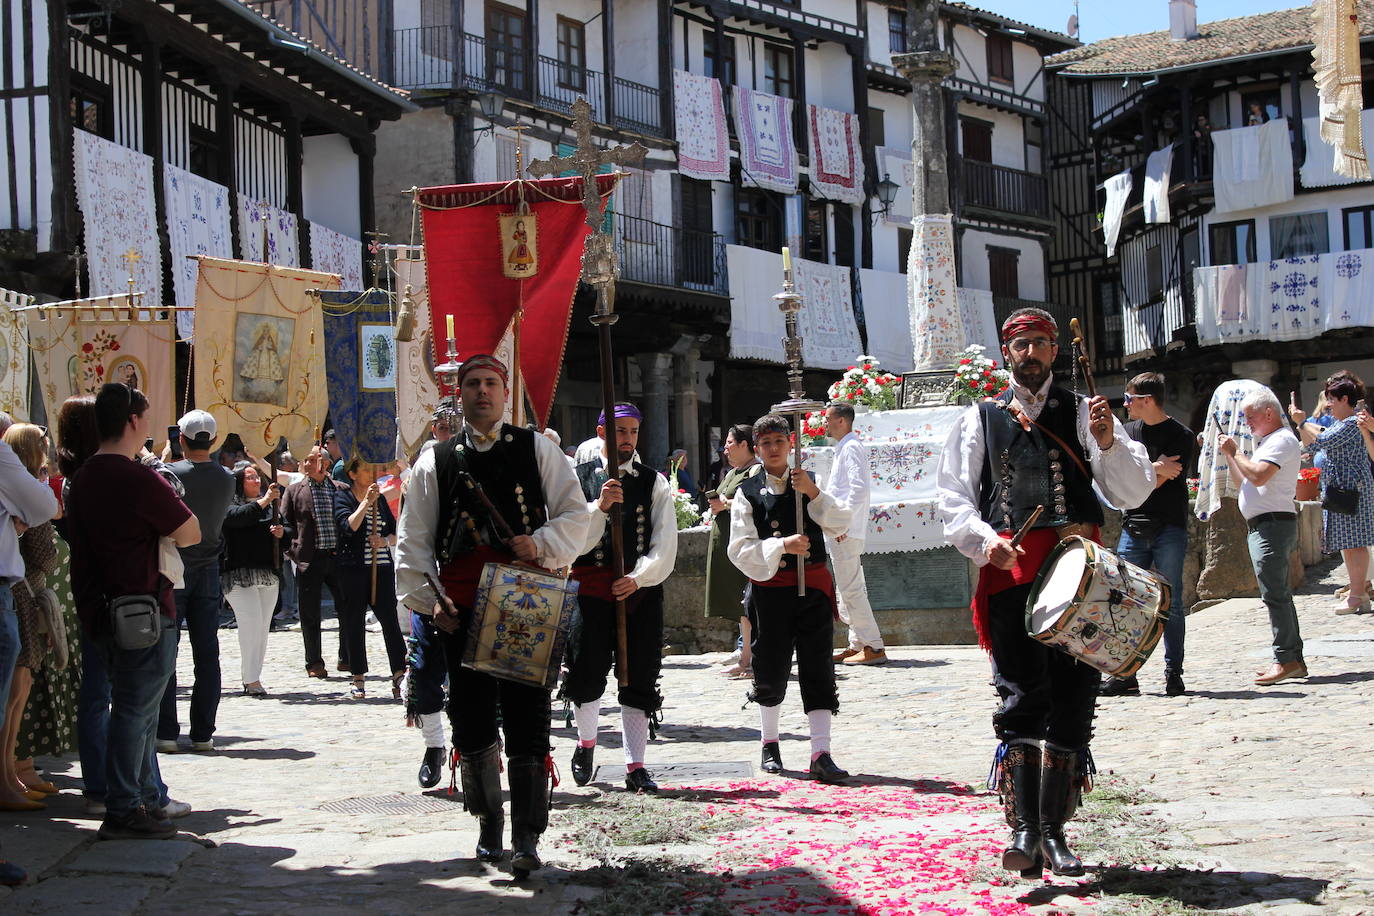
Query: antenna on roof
x=1072, y=28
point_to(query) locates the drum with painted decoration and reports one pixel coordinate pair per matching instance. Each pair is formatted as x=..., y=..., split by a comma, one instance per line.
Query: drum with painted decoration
x=520, y=622
x=1097, y=607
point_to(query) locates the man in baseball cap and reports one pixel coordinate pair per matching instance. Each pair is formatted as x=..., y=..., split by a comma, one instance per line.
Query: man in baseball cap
x=197, y=429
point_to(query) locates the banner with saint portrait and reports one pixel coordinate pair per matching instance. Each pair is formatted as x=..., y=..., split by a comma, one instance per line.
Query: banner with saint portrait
x=361, y=371
x=259, y=357
x=78, y=345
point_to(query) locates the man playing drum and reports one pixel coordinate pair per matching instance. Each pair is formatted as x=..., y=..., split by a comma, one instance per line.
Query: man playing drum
x=447, y=531
x=649, y=526
x=1037, y=444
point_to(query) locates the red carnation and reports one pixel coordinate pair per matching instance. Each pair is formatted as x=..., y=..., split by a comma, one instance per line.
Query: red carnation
x=850, y=395
x=965, y=361
x=86, y=347
x=114, y=345
x=988, y=386
x=100, y=370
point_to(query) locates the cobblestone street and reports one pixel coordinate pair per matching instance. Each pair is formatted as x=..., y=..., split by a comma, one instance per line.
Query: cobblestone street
x=1260, y=797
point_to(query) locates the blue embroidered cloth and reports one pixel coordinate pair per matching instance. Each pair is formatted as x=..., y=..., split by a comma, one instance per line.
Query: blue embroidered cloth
x=360, y=371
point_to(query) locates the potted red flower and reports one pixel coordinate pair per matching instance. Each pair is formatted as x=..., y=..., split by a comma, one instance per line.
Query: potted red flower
x=1309, y=485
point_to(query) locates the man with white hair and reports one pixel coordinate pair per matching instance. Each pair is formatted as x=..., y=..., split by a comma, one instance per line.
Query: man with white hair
x=1269, y=481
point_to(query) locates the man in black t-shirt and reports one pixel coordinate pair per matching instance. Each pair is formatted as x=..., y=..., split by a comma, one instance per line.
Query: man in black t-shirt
x=1155, y=534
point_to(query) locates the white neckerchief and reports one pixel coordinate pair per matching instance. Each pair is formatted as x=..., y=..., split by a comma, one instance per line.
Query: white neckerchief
x=1032, y=402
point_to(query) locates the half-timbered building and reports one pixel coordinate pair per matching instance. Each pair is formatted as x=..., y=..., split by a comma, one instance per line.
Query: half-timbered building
x=1237, y=246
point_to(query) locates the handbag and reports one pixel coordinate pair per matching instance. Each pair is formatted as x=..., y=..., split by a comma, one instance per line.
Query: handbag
x=136, y=621
x=1340, y=500
x=56, y=627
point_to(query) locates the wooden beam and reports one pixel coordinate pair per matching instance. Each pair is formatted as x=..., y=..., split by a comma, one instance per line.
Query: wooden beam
x=151, y=39
x=607, y=58
x=366, y=150
x=60, y=130
x=295, y=182
x=225, y=85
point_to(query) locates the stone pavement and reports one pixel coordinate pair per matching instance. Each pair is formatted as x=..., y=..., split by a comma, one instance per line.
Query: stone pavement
x=310, y=803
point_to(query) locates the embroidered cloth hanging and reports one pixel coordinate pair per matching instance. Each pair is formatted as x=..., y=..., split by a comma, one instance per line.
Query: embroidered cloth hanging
x=197, y=223
x=114, y=191
x=335, y=253
x=14, y=354
x=837, y=161
x=703, y=142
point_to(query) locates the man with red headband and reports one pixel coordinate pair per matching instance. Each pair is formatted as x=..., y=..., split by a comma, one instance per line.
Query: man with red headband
x=649, y=534
x=1036, y=444
x=446, y=532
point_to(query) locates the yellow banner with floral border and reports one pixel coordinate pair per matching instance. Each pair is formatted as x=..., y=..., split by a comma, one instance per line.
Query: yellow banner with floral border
x=259, y=353
x=14, y=354
x=77, y=346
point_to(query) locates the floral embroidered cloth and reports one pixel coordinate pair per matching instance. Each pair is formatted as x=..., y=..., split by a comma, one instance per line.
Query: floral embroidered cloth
x=830, y=335
x=1223, y=416
x=837, y=162
x=1348, y=278
x=259, y=366
x=77, y=349
x=767, y=151
x=937, y=331
x=335, y=253
x=1293, y=300
x=197, y=223
x=14, y=354
x=702, y=137
x=283, y=243
x=114, y=191
x=903, y=450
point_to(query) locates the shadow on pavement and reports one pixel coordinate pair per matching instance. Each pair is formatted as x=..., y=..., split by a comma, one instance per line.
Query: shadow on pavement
x=1349, y=677
x=1204, y=889
x=924, y=786
x=1245, y=694
x=709, y=733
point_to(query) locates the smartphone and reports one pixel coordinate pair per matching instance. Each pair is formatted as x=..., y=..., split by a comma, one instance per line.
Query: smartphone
x=1361, y=406
x=148, y=443
x=174, y=437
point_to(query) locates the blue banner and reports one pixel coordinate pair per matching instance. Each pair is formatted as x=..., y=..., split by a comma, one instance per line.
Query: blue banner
x=360, y=367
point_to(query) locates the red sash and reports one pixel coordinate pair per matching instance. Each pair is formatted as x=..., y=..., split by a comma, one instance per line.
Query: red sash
x=459, y=578
x=992, y=580
x=817, y=577
x=594, y=581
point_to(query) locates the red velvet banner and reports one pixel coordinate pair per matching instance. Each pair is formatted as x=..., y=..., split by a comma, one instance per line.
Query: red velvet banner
x=467, y=260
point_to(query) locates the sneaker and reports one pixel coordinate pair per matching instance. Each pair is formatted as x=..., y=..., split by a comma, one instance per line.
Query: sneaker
x=172, y=809
x=164, y=746
x=844, y=655
x=95, y=808
x=1173, y=684
x=202, y=746
x=137, y=825
x=371, y=623
x=868, y=656
x=1119, y=687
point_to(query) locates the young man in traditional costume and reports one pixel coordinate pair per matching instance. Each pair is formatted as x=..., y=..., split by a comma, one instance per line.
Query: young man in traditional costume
x=767, y=547
x=1037, y=444
x=448, y=532
x=649, y=531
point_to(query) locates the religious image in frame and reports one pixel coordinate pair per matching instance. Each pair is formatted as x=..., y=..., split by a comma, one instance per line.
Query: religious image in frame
x=262, y=358
x=127, y=371
x=376, y=357
x=519, y=245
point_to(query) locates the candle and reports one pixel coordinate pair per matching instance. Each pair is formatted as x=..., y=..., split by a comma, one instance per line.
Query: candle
x=448, y=324
x=786, y=260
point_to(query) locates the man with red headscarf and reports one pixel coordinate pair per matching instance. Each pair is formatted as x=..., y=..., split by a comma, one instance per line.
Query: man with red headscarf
x=1036, y=444
x=448, y=533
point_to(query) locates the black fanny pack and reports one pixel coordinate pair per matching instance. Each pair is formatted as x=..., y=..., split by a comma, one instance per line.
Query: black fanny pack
x=136, y=621
x=1142, y=528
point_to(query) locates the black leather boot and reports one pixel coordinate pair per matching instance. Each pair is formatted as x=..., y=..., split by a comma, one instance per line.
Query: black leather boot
x=529, y=811
x=1060, y=791
x=771, y=761
x=582, y=764
x=1019, y=785
x=431, y=767
x=482, y=797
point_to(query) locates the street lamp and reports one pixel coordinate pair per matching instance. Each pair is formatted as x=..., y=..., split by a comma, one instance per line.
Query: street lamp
x=887, y=193
x=489, y=104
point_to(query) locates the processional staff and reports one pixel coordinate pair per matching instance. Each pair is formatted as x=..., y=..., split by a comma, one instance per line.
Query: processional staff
x=599, y=270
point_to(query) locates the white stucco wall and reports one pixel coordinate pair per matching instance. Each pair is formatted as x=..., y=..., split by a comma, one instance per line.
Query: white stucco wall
x=637, y=47
x=330, y=184
x=1030, y=267
x=830, y=77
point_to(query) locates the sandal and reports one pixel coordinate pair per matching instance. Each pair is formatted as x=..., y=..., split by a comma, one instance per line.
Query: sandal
x=357, y=692
x=254, y=689
x=396, y=680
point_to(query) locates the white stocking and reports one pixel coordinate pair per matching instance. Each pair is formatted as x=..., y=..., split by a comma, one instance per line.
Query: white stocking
x=820, y=731
x=634, y=730
x=769, y=717
x=587, y=715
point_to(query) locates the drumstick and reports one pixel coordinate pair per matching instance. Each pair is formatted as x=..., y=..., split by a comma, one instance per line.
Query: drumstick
x=1025, y=529
x=504, y=530
x=441, y=607
x=1083, y=359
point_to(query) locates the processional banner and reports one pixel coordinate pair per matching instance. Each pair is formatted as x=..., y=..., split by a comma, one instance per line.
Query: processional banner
x=259, y=364
x=359, y=336
x=14, y=354
x=488, y=260
x=79, y=345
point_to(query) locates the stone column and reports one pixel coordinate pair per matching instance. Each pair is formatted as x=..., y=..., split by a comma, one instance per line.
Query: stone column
x=654, y=369
x=685, y=413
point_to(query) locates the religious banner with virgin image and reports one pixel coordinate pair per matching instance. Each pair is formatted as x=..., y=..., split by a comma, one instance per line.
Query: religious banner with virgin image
x=79, y=345
x=470, y=248
x=259, y=359
x=14, y=354
x=361, y=372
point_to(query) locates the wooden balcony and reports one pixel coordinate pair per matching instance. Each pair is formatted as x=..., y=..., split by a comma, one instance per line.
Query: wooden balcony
x=1002, y=191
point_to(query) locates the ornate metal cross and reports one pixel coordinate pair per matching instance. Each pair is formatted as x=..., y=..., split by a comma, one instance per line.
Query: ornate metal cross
x=586, y=160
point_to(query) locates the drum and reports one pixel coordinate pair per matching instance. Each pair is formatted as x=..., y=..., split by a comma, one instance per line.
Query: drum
x=519, y=626
x=1097, y=607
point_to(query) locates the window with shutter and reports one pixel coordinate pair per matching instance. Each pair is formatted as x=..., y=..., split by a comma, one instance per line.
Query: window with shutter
x=1002, y=275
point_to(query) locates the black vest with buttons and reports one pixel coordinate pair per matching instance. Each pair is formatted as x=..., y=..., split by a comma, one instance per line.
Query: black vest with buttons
x=636, y=512
x=776, y=517
x=509, y=475
x=1022, y=470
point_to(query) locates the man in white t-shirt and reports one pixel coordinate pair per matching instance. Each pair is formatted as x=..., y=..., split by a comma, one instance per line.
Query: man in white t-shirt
x=1269, y=480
